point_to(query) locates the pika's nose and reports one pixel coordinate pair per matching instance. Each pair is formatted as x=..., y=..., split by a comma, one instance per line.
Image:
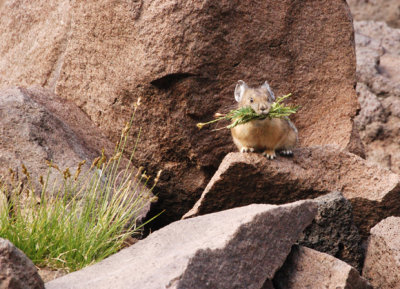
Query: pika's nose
x=263, y=108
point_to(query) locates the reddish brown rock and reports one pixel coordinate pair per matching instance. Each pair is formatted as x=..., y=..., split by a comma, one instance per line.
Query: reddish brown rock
x=33, y=36
x=306, y=268
x=382, y=265
x=36, y=126
x=16, y=270
x=237, y=248
x=378, y=10
x=183, y=59
x=244, y=178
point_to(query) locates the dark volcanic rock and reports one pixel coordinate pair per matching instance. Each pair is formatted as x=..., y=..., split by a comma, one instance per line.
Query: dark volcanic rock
x=333, y=231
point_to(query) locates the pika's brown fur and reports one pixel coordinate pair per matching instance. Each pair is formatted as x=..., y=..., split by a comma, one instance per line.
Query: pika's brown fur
x=267, y=135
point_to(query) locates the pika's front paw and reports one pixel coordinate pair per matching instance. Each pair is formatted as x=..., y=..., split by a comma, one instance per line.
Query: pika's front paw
x=269, y=154
x=286, y=152
x=246, y=150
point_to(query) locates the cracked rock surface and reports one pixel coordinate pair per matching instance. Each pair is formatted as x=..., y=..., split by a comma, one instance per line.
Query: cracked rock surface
x=333, y=230
x=237, y=248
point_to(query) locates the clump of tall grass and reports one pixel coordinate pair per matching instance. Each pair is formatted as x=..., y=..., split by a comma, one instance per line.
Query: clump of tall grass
x=79, y=221
x=246, y=114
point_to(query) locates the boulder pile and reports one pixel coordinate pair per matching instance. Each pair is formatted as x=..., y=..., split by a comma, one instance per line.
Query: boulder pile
x=72, y=74
x=183, y=62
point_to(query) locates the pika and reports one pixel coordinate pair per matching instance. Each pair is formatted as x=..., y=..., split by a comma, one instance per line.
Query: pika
x=265, y=135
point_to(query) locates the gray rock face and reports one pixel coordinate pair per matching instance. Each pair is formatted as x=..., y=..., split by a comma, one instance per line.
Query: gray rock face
x=16, y=270
x=333, y=231
x=372, y=110
x=379, y=10
x=238, y=248
x=378, y=56
x=382, y=260
x=306, y=268
x=314, y=171
x=378, y=90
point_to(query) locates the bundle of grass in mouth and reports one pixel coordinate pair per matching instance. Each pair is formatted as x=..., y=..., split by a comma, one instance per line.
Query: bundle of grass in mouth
x=246, y=114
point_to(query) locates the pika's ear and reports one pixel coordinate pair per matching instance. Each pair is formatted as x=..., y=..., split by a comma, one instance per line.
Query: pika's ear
x=241, y=86
x=269, y=90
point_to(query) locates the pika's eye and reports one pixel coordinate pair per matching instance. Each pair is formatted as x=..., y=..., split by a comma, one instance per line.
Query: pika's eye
x=251, y=100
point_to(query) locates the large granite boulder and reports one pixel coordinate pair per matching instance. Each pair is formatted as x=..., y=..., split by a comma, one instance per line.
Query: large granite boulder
x=237, y=248
x=183, y=60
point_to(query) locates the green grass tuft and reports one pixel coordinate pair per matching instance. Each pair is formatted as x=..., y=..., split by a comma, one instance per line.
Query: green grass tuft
x=79, y=221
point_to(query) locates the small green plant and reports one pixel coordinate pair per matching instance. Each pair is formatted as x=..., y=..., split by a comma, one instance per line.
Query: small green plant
x=246, y=114
x=79, y=221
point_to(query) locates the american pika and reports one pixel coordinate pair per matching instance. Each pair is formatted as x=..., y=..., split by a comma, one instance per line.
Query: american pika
x=266, y=135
